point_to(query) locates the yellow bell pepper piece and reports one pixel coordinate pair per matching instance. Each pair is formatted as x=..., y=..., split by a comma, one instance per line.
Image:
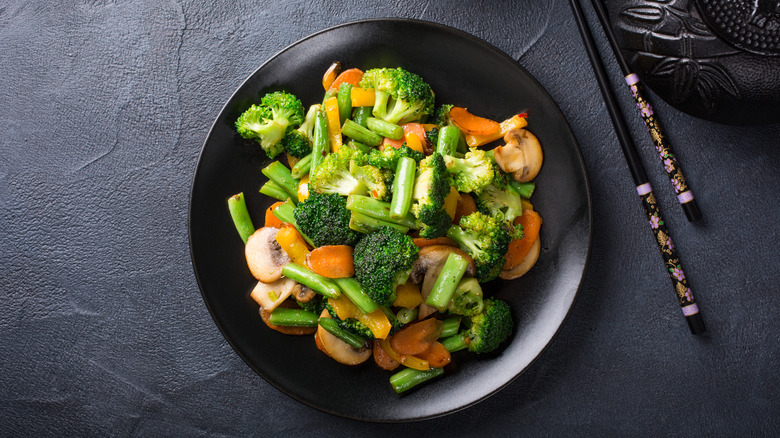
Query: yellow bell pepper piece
x=331, y=106
x=527, y=205
x=414, y=142
x=516, y=121
x=376, y=321
x=408, y=295
x=451, y=202
x=293, y=244
x=303, y=188
x=363, y=97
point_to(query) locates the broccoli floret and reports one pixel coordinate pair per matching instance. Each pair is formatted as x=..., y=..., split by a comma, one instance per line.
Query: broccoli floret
x=298, y=141
x=333, y=175
x=486, y=331
x=314, y=305
x=401, y=96
x=432, y=137
x=325, y=219
x=501, y=200
x=441, y=117
x=388, y=158
x=268, y=122
x=374, y=178
x=431, y=186
x=467, y=300
x=471, y=173
x=486, y=240
x=383, y=260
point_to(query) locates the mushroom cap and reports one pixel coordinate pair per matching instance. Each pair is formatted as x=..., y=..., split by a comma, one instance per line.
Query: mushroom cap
x=265, y=256
x=338, y=349
x=521, y=155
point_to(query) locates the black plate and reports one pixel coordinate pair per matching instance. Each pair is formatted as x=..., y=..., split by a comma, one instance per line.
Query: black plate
x=462, y=70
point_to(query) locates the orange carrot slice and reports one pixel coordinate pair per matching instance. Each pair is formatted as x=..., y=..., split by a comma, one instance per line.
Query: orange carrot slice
x=330, y=75
x=465, y=207
x=471, y=124
x=270, y=219
x=517, y=121
x=519, y=248
x=409, y=128
x=350, y=76
x=416, y=338
x=422, y=242
x=437, y=355
x=332, y=261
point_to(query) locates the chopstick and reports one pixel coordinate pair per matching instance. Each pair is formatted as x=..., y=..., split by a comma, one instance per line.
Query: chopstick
x=665, y=153
x=662, y=237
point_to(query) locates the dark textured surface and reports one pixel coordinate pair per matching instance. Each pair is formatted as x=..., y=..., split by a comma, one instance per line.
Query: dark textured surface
x=104, y=109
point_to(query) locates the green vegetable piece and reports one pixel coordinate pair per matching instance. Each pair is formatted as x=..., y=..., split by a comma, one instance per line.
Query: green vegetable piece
x=448, y=280
x=314, y=281
x=333, y=328
x=240, y=215
x=293, y=318
x=364, y=135
x=403, y=185
x=385, y=129
x=408, y=378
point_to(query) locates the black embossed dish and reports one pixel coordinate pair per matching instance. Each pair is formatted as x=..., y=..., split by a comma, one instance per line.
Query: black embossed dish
x=462, y=70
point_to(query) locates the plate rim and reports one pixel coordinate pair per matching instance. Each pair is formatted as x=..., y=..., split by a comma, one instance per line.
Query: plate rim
x=439, y=27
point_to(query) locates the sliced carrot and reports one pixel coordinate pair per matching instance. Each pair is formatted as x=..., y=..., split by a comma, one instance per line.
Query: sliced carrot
x=331, y=106
x=516, y=121
x=408, y=295
x=422, y=242
x=437, y=355
x=350, y=76
x=416, y=338
x=465, y=207
x=270, y=219
x=293, y=244
x=406, y=359
x=332, y=261
x=330, y=75
x=414, y=128
x=362, y=96
x=519, y=248
x=472, y=124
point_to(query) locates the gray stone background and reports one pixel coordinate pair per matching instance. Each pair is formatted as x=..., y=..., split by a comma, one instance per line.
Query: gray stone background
x=104, y=107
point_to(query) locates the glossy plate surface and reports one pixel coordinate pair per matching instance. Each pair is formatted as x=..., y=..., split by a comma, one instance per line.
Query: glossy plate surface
x=462, y=70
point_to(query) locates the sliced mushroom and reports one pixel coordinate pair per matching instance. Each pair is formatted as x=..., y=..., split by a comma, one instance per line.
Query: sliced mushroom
x=305, y=295
x=521, y=155
x=524, y=266
x=427, y=267
x=264, y=256
x=338, y=349
x=266, y=317
x=270, y=295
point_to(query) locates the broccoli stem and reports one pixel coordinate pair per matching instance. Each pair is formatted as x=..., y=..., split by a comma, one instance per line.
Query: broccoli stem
x=525, y=189
x=302, y=167
x=456, y=342
x=449, y=327
x=385, y=129
x=366, y=224
x=409, y=378
x=448, y=280
x=377, y=209
x=361, y=134
x=403, y=184
x=275, y=191
x=361, y=114
x=344, y=100
x=293, y=318
x=320, y=145
x=286, y=213
x=280, y=174
x=405, y=316
x=314, y=281
x=351, y=288
x=240, y=215
x=333, y=328
x=447, y=143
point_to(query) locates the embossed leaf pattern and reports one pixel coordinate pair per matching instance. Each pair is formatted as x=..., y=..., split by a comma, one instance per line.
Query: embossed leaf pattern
x=706, y=78
x=650, y=14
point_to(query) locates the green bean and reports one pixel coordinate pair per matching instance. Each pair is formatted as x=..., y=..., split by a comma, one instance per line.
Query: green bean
x=293, y=318
x=448, y=280
x=352, y=289
x=361, y=114
x=344, y=99
x=361, y=134
x=402, y=187
x=358, y=146
x=449, y=327
x=367, y=224
x=377, y=209
x=275, y=191
x=405, y=316
x=314, y=281
x=280, y=174
x=385, y=129
x=448, y=140
x=302, y=167
x=525, y=189
x=333, y=328
x=240, y=215
x=409, y=378
x=320, y=145
x=456, y=342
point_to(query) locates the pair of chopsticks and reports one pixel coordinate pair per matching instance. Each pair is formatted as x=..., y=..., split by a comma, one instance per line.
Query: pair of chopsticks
x=674, y=267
